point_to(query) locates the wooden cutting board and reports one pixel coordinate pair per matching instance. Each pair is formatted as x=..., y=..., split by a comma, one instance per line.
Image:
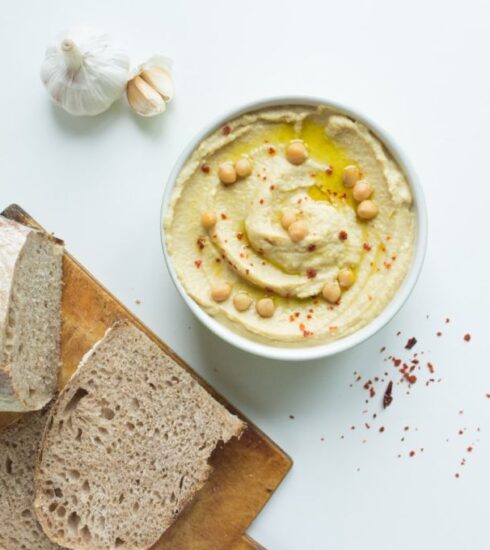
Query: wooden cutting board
x=245, y=472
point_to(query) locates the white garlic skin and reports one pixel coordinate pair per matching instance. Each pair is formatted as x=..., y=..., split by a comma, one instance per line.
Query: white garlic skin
x=85, y=72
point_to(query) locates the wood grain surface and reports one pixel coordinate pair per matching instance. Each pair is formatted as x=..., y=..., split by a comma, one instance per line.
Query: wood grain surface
x=245, y=472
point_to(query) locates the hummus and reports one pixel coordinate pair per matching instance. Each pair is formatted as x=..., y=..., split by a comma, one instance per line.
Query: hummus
x=291, y=229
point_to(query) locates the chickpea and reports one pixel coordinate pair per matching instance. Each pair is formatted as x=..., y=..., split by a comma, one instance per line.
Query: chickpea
x=331, y=291
x=243, y=167
x=296, y=152
x=220, y=291
x=367, y=210
x=242, y=301
x=362, y=191
x=265, y=307
x=208, y=219
x=346, y=277
x=288, y=218
x=351, y=175
x=226, y=173
x=298, y=231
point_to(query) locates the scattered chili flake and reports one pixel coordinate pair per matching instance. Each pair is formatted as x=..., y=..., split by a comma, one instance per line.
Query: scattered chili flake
x=329, y=170
x=311, y=273
x=406, y=428
x=272, y=187
x=372, y=392
x=226, y=130
x=311, y=248
x=198, y=263
x=397, y=362
x=224, y=216
x=352, y=427
x=291, y=416
x=200, y=243
x=467, y=337
x=411, y=453
x=205, y=168
x=456, y=476
x=368, y=427
x=410, y=343
x=343, y=235
x=382, y=429
x=388, y=397
x=398, y=333
x=261, y=201
x=438, y=333
x=447, y=320
x=271, y=150
x=430, y=366
x=382, y=349
x=469, y=449
x=239, y=235
x=488, y=395
x=367, y=247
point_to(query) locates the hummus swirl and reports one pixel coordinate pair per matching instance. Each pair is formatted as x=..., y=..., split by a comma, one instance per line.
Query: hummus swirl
x=249, y=247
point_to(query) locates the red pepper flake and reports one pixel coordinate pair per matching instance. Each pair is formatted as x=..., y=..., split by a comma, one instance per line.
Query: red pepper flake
x=226, y=130
x=469, y=449
x=406, y=428
x=239, y=235
x=410, y=343
x=261, y=201
x=352, y=427
x=460, y=432
x=448, y=320
x=430, y=366
x=388, y=397
x=367, y=247
x=224, y=216
x=311, y=248
x=296, y=314
x=397, y=362
x=205, y=168
x=272, y=187
x=291, y=416
x=411, y=378
x=368, y=427
x=382, y=429
x=439, y=334
x=198, y=263
x=387, y=265
x=200, y=243
x=456, y=475
x=411, y=453
x=311, y=273
x=382, y=349
x=467, y=337
x=372, y=392
x=488, y=395
x=271, y=150
x=343, y=235
x=329, y=170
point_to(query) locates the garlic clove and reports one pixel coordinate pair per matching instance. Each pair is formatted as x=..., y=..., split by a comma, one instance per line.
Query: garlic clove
x=143, y=98
x=159, y=79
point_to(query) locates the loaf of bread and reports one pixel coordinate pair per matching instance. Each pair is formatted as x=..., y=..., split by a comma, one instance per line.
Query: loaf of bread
x=30, y=302
x=19, y=444
x=126, y=446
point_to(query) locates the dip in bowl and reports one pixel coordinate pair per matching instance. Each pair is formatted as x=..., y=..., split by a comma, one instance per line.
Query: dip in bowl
x=293, y=229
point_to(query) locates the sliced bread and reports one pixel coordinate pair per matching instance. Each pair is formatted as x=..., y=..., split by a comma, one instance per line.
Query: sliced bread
x=126, y=446
x=19, y=444
x=30, y=302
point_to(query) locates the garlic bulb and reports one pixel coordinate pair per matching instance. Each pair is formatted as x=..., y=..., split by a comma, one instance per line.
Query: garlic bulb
x=152, y=87
x=85, y=72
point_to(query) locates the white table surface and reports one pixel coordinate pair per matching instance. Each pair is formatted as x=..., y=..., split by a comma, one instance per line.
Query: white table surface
x=420, y=69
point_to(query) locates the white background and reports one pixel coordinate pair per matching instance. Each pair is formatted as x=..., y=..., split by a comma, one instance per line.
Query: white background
x=420, y=69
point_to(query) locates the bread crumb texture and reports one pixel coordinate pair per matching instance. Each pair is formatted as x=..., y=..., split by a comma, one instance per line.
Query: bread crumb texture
x=19, y=443
x=126, y=446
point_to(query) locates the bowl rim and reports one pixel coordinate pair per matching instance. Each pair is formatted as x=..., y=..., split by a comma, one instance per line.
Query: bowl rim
x=331, y=348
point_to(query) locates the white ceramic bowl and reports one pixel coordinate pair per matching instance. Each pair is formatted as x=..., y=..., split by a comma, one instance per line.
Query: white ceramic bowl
x=323, y=350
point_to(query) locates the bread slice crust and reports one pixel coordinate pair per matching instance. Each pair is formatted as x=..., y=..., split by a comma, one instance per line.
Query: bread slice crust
x=126, y=446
